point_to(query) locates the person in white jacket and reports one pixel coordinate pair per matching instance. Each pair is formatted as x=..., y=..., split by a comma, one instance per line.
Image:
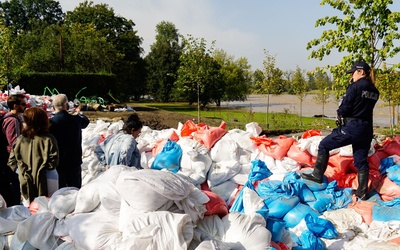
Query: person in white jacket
x=121, y=148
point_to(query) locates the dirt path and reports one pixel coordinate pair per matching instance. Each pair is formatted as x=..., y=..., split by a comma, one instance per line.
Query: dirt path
x=291, y=104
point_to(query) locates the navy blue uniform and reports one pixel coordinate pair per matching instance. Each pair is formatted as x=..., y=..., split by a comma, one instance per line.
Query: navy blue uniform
x=356, y=108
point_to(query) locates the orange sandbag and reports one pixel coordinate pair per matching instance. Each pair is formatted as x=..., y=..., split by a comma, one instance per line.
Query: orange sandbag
x=161, y=143
x=340, y=163
x=363, y=208
x=262, y=140
x=392, y=146
x=310, y=133
x=388, y=189
x=188, y=128
x=346, y=180
x=395, y=240
x=295, y=153
x=279, y=148
x=216, y=205
x=208, y=135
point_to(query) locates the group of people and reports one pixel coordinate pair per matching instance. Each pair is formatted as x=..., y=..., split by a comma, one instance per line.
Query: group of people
x=35, y=145
x=45, y=144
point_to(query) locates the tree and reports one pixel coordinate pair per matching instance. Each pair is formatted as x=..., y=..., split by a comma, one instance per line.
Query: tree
x=24, y=16
x=235, y=75
x=367, y=30
x=269, y=81
x=162, y=62
x=199, y=78
x=119, y=31
x=388, y=81
x=299, y=86
x=323, y=85
x=8, y=70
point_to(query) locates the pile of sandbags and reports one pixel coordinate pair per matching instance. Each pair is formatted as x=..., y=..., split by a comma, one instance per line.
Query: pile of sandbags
x=207, y=187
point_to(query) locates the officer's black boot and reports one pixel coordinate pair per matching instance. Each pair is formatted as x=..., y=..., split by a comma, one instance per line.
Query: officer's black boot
x=319, y=169
x=362, y=189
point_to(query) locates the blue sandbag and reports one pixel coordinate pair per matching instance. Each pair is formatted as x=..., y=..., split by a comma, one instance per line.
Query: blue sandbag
x=321, y=227
x=309, y=241
x=169, y=158
x=314, y=186
x=383, y=213
x=299, y=212
x=280, y=206
x=293, y=184
x=277, y=228
x=393, y=173
x=385, y=164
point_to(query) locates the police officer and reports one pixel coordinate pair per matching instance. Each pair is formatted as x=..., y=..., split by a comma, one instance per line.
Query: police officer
x=354, y=127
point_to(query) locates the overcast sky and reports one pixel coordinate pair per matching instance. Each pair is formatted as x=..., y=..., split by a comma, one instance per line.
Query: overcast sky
x=241, y=28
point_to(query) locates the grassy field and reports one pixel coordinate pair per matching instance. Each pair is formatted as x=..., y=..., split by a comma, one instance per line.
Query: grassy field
x=238, y=118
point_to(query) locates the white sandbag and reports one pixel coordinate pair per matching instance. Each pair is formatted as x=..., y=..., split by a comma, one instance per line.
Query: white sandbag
x=268, y=160
x=193, y=203
x=166, y=230
x=251, y=201
x=225, y=189
x=195, y=161
x=37, y=230
x=212, y=245
x=285, y=165
x=148, y=189
x=11, y=217
x=88, y=197
x=66, y=246
x=247, y=229
x=109, y=197
x=344, y=219
x=222, y=171
x=63, y=202
x=253, y=129
x=242, y=138
x=225, y=149
x=243, y=176
x=3, y=203
x=236, y=230
x=95, y=230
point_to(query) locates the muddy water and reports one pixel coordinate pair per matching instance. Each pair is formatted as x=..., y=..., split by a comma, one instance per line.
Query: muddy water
x=310, y=108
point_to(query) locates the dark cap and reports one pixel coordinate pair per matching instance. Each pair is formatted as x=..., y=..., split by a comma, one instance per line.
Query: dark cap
x=359, y=65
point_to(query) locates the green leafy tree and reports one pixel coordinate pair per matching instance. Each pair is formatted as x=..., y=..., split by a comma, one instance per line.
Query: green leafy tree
x=31, y=15
x=9, y=72
x=387, y=81
x=199, y=79
x=236, y=76
x=323, y=85
x=366, y=30
x=270, y=80
x=300, y=87
x=130, y=67
x=162, y=62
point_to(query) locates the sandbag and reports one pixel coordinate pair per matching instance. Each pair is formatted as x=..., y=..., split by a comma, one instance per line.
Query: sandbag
x=216, y=205
x=388, y=189
x=63, y=202
x=298, y=213
x=169, y=158
x=321, y=227
x=279, y=148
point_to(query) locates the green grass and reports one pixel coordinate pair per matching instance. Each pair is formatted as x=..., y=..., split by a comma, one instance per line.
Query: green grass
x=238, y=118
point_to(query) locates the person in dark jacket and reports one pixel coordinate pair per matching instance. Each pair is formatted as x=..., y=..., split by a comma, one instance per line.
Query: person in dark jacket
x=67, y=129
x=354, y=122
x=11, y=128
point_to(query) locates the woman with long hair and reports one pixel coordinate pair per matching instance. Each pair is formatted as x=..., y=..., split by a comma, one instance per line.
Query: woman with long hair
x=34, y=152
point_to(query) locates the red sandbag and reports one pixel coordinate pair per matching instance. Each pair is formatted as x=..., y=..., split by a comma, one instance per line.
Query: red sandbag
x=363, y=208
x=279, y=148
x=346, y=180
x=275, y=245
x=208, y=136
x=188, y=128
x=310, y=133
x=395, y=240
x=161, y=143
x=388, y=189
x=340, y=163
x=262, y=140
x=216, y=205
x=375, y=159
x=392, y=146
x=295, y=153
